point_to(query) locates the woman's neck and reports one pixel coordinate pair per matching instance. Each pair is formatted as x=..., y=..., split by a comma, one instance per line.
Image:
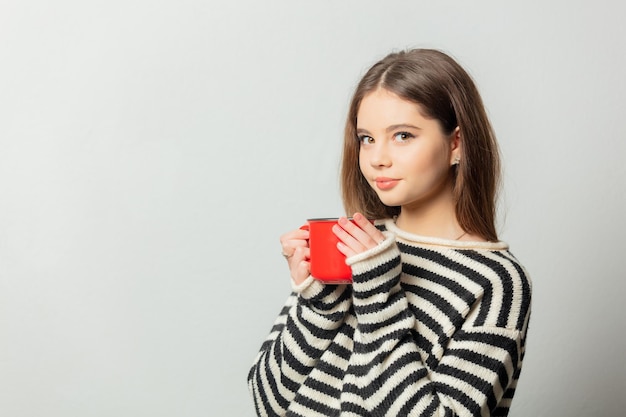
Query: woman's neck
x=435, y=218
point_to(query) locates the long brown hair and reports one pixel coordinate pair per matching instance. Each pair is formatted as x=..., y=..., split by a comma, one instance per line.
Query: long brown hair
x=445, y=92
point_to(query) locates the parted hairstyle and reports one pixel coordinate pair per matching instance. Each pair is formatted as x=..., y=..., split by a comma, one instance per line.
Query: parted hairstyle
x=445, y=92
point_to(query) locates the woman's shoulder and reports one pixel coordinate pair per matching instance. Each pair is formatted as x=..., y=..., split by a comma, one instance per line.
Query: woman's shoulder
x=418, y=240
x=489, y=264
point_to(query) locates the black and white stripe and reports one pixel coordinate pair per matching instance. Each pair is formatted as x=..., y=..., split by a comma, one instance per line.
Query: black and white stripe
x=427, y=328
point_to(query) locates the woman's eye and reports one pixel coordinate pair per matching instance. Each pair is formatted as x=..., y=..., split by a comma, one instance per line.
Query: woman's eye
x=402, y=136
x=366, y=140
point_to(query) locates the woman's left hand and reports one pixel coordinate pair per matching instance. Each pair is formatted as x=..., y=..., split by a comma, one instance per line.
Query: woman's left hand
x=357, y=236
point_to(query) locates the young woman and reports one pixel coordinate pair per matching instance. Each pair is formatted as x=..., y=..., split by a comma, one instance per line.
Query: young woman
x=434, y=323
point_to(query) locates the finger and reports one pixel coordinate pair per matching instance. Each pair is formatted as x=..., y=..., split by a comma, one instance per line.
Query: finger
x=364, y=237
x=300, y=254
x=298, y=234
x=292, y=240
x=298, y=265
x=343, y=248
x=348, y=239
x=302, y=272
x=367, y=226
x=290, y=246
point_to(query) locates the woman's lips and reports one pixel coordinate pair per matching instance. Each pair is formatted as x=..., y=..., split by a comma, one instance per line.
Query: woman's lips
x=386, y=183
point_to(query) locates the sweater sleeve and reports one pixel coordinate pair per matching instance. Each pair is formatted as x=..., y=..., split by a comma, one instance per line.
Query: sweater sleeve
x=387, y=374
x=305, y=327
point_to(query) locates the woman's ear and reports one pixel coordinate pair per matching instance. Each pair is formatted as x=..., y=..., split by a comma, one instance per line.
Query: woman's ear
x=455, y=146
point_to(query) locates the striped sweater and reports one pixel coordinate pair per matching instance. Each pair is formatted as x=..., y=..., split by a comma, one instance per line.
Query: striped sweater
x=429, y=327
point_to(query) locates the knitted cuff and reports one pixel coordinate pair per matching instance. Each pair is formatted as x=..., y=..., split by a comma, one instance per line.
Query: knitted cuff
x=328, y=300
x=362, y=262
x=308, y=288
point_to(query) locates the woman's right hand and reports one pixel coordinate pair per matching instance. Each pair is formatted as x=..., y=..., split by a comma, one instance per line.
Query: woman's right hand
x=295, y=246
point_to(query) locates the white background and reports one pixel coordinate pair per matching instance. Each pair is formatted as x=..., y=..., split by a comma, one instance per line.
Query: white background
x=152, y=152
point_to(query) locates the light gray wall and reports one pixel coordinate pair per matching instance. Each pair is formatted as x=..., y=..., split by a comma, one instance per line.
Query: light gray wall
x=151, y=153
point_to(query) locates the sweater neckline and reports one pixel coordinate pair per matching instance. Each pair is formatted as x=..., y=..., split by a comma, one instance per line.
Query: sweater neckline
x=391, y=226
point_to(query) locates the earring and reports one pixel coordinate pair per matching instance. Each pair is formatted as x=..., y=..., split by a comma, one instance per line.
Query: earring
x=457, y=160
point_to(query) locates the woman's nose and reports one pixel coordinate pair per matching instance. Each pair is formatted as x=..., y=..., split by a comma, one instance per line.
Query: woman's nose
x=379, y=156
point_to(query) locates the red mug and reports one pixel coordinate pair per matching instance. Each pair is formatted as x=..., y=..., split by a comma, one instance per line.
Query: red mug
x=327, y=263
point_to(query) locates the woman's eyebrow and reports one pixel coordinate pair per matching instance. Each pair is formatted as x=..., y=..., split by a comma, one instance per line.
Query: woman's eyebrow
x=391, y=128
x=401, y=126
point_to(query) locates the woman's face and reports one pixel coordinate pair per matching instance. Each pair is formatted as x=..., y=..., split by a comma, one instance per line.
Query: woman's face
x=404, y=156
